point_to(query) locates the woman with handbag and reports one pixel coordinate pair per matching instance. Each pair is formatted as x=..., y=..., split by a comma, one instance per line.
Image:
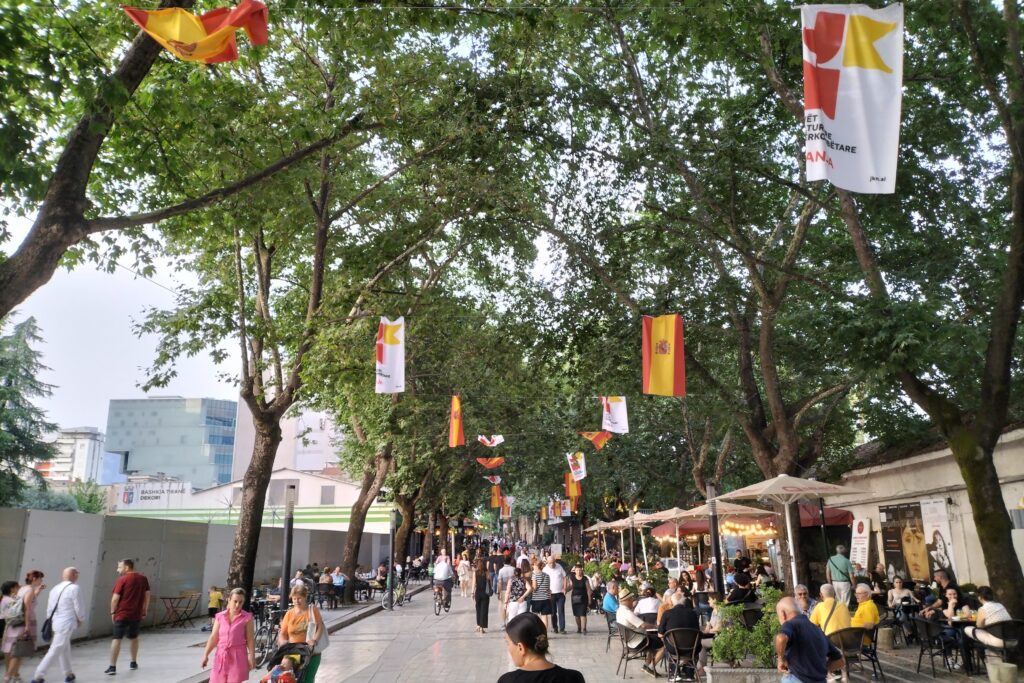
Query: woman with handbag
x=235, y=641
x=302, y=623
x=481, y=589
x=20, y=640
x=580, y=597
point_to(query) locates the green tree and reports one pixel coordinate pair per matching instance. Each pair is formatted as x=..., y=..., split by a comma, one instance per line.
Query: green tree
x=42, y=498
x=22, y=424
x=89, y=496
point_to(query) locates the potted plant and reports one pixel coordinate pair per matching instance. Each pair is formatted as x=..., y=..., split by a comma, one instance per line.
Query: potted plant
x=743, y=655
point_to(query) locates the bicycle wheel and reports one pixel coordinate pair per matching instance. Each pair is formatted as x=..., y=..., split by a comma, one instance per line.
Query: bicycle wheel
x=385, y=600
x=437, y=604
x=448, y=603
x=264, y=644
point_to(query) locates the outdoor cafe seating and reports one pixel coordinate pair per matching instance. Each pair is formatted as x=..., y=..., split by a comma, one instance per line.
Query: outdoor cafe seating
x=682, y=646
x=638, y=651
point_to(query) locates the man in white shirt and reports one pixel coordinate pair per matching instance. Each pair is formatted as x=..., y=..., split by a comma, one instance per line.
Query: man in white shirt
x=444, y=575
x=627, y=617
x=557, y=576
x=505, y=576
x=65, y=605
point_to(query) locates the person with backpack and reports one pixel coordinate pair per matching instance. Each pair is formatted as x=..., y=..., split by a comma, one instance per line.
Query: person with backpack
x=64, y=613
x=20, y=639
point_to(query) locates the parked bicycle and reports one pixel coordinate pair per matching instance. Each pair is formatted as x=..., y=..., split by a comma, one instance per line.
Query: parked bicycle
x=401, y=594
x=267, y=621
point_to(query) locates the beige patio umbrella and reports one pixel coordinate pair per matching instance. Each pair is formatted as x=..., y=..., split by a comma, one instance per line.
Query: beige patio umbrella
x=621, y=525
x=663, y=516
x=786, y=490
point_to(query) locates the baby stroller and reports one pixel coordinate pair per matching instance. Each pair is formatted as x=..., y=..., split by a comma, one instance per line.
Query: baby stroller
x=290, y=649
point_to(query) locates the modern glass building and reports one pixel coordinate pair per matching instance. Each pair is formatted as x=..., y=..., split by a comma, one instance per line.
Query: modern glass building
x=190, y=439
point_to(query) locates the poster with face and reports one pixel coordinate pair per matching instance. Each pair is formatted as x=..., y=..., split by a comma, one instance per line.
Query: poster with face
x=892, y=542
x=938, y=536
x=915, y=552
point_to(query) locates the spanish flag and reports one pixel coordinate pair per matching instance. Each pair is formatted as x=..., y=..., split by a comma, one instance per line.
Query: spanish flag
x=506, y=509
x=574, y=504
x=208, y=38
x=557, y=508
x=572, y=487
x=455, y=435
x=543, y=512
x=664, y=364
x=599, y=439
x=491, y=463
x=495, y=496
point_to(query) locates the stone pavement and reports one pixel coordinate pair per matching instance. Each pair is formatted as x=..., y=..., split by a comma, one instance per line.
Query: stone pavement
x=409, y=644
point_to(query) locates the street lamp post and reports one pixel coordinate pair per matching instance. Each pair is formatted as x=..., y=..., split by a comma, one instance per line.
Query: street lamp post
x=391, y=564
x=632, y=543
x=716, y=551
x=289, y=527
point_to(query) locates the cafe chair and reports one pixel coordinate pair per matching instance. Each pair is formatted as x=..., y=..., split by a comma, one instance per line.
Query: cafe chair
x=849, y=641
x=630, y=653
x=682, y=646
x=613, y=629
x=751, y=616
x=870, y=653
x=929, y=637
x=1009, y=632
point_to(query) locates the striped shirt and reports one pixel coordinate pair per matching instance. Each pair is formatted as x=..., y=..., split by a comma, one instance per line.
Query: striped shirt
x=541, y=586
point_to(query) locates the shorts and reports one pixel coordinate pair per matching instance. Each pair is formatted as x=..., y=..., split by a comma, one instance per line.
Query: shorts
x=540, y=606
x=212, y=611
x=126, y=629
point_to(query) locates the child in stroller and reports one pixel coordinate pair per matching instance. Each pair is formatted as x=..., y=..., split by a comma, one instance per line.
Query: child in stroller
x=287, y=663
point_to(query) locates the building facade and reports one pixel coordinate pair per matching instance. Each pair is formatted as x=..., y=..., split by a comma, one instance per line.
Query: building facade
x=189, y=439
x=79, y=457
x=309, y=442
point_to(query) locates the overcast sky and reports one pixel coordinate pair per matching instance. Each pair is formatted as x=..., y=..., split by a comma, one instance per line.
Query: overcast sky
x=85, y=317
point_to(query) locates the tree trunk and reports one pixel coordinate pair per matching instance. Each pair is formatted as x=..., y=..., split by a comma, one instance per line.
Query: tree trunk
x=373, y=479
x=991, y=520
x=408, y=509
x=254, y=495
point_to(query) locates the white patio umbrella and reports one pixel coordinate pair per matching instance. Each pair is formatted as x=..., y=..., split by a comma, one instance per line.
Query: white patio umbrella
x=786, y=490
x=663, y=516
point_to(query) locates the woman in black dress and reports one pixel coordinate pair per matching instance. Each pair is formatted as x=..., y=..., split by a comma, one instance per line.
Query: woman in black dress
x=580, y=597
x=481, y=584
x=526, y=639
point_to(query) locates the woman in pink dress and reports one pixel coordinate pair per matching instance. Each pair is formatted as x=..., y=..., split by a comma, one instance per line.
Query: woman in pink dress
x=233, y=638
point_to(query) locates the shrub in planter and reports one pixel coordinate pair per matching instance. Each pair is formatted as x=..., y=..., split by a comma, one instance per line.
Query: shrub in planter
x=735, y=645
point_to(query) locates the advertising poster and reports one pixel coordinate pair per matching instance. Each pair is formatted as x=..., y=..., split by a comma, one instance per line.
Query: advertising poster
x=937, y=536
x=915, y=554
x=859, y=541
x=892, y=543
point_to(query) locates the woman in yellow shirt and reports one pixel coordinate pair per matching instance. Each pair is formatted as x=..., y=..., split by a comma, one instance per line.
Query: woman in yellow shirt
x=294, y=625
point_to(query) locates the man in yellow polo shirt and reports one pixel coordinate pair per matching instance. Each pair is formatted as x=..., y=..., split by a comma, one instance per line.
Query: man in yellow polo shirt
x=830, y=615
x=866, y=616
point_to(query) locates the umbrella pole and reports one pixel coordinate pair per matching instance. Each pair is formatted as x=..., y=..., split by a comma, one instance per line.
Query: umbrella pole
x=622, y=543
x=679, y=551
x=792, y=545
x=824, y=538
x=643, y=548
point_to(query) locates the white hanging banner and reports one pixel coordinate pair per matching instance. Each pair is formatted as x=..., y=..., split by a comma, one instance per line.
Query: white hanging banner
x=937, y=537
x=613, y=409
x=577, y=465
x=859, y=541
x=853, y=79
x=391, y=356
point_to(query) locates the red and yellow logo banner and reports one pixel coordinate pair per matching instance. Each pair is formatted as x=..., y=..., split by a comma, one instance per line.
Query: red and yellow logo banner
x=543, y=512
x=599, y=439
x=572, y=487
x=208, y=38
x=455, y=435
x=664, y=362
x=491, y=463
x=496, y=497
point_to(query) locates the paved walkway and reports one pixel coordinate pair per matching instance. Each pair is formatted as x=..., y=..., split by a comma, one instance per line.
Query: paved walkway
x=409, y=644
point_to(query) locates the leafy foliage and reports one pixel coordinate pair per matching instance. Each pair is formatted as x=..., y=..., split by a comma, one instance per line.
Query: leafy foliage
x=41, y=498
x=89, y=497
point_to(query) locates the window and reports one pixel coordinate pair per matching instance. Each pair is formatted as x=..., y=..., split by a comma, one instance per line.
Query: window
x=275, y=492
x=327, y=495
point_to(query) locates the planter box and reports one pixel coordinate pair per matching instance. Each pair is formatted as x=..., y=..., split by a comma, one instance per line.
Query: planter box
x=725, y=674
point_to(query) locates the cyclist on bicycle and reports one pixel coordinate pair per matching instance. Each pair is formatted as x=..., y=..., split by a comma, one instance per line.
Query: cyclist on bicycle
x=444, y=575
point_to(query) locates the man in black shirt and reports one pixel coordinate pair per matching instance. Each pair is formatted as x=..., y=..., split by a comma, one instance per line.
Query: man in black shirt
x=741, y=563
x=682, y=615
x=803, y=652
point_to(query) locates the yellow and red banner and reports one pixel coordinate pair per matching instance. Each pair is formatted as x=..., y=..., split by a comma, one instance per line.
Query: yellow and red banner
x=208, y=38
x=664, y=362
x=572, y=486
x=543, y=512
x=491, y=463
x=556, y=508
x=391, y=356
x=506, y=509
x=455, y=435
x=495, y=496
x=599, y=439
x=574, y=504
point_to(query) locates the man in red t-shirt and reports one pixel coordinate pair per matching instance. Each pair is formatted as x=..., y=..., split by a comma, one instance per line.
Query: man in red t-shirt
x=128, y=607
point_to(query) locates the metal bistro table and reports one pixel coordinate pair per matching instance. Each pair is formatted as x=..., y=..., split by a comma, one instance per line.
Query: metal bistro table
x=178, y=609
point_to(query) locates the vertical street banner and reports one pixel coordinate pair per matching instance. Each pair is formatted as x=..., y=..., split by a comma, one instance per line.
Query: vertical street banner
x=664, y=363
x=566, y=509
x=613, y=410
x=853, y=80
x=859, y=541
x=892, y=543
x=455, y=435
x=543, y=512
x=495, y=496
x=391, y=356
x=577, y=465
x=937, y=536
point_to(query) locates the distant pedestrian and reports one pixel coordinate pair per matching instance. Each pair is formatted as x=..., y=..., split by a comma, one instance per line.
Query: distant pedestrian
x=20, y=640
x=526, y=639
x=234, y=639
x=464, y=570
x=129, y=605
x=481, y=593
x=213, y=606
x=839, y=572
x=65, y=606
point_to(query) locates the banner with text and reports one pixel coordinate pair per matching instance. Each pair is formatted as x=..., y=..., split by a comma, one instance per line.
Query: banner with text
x=860, y=541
